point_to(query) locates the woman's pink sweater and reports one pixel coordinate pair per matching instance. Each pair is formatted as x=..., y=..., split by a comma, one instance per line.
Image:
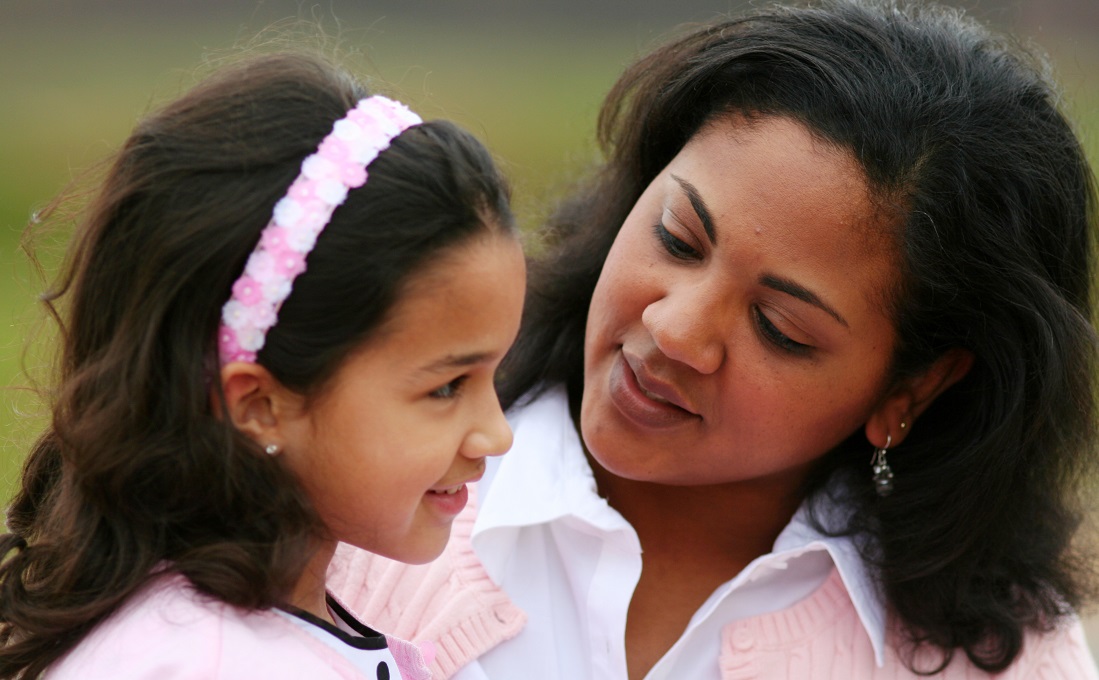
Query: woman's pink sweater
x=454, y=604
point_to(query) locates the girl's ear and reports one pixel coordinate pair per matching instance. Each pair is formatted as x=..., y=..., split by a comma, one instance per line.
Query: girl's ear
x=893, y=418
x=257, y=404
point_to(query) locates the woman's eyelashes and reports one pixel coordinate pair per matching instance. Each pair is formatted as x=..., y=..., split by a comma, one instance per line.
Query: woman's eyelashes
x=681, y=250
x=773, y=335
x=450, y=390
x=676, y=247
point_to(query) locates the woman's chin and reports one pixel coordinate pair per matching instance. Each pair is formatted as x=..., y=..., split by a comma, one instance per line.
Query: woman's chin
x=619, y=461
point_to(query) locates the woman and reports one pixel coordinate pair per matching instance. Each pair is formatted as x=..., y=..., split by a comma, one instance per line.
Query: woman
x=805, y=385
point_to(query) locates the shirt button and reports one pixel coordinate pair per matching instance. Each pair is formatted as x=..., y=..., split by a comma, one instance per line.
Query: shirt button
x=742, y=639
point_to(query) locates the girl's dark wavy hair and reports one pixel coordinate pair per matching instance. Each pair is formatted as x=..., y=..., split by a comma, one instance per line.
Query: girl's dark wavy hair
x=139, y=471
x=993, y=206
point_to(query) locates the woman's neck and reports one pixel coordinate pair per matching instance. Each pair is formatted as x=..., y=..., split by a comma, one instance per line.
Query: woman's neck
x=693, y=539
x=727, y=524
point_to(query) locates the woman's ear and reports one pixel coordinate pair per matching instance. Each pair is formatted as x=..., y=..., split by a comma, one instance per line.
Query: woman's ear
x=892, y=420
x=257, y=404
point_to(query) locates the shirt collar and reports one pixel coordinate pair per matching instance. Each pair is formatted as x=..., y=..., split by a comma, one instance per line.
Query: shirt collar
x=801, y=536
x=546, y=477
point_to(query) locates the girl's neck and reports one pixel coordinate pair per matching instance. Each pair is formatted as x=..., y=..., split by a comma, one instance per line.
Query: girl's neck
x=310, y=592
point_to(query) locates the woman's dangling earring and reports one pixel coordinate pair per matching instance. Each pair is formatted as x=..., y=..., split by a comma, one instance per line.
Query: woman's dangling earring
x=883, y=474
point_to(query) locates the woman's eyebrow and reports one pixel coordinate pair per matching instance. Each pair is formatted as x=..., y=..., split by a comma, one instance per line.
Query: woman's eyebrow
x=699, y=207
x=774, y=282
x=800, y=292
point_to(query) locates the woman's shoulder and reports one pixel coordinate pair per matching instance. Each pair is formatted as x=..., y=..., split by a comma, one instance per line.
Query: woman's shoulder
x=170, y=631
x=1061, y=653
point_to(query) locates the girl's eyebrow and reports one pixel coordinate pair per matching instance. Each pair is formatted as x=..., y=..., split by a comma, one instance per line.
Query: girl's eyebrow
x=800, y=292
x=699, y=207
x=452, y=361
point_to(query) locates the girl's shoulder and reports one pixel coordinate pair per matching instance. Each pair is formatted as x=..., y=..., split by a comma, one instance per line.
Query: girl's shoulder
x=170, y=631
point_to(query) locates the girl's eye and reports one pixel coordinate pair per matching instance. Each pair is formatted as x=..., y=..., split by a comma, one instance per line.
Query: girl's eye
x=450, y=390
x=777, y=338
x=676, y=247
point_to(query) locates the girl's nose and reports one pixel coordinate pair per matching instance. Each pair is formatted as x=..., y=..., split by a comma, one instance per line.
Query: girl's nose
x=491, y=435
x=688, y=326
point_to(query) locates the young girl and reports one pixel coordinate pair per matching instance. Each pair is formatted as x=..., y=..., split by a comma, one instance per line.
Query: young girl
x=283, y=312
x=806, y=382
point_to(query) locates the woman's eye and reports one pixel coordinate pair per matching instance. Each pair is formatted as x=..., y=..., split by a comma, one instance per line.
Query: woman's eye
x=450, y=390
x=676, y=247
x=777, y=337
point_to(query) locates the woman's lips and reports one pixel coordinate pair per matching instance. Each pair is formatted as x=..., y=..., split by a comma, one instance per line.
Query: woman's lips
x=644, y=400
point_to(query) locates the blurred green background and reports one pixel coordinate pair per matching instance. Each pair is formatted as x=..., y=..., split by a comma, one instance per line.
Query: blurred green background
x=525, y=76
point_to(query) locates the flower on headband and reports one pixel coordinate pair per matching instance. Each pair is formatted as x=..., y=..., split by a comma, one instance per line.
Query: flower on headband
x=229, y=347
x=275, y=236
x=251, y=339
x=276, y=290
x=247, y=290
x=308, y=213
x=332, y=191
x=334, y=149
x=298, y=218
x=317, y=168
x=353, y=175
x=347, y=129
x=350, y=173
x=298, y=240
x=301, y=190
x=288, y=263
x=236, y=314
x=260, y=266
x=288, y=212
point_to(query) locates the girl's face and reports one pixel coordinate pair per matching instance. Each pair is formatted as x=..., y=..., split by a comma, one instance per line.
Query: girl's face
x=738, y=330
x=387, y=451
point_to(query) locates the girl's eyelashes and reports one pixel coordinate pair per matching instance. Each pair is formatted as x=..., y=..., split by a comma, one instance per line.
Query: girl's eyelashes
x=676, y=247
x=773, y=335
x=450, y=390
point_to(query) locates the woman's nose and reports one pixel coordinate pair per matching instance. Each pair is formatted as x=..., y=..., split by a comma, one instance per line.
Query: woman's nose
x=687, y=326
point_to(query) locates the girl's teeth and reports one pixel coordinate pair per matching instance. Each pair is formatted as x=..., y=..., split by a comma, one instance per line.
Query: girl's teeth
x=450, y=492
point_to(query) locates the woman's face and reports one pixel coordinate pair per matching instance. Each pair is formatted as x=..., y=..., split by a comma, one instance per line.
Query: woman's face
x=739, y=328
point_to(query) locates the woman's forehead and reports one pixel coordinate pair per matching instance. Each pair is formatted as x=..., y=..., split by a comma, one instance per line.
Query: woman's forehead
x=774, y=170
x=799, y=206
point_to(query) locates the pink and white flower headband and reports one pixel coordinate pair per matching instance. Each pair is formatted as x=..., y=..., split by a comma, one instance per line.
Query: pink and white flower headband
x=326, y=176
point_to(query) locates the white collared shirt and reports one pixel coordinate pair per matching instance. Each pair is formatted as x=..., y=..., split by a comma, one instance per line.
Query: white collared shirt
x=571, y=562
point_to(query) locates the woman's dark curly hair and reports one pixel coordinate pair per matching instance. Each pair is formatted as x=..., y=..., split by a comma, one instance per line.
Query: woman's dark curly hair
x=959, y=131
x=139, y=471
